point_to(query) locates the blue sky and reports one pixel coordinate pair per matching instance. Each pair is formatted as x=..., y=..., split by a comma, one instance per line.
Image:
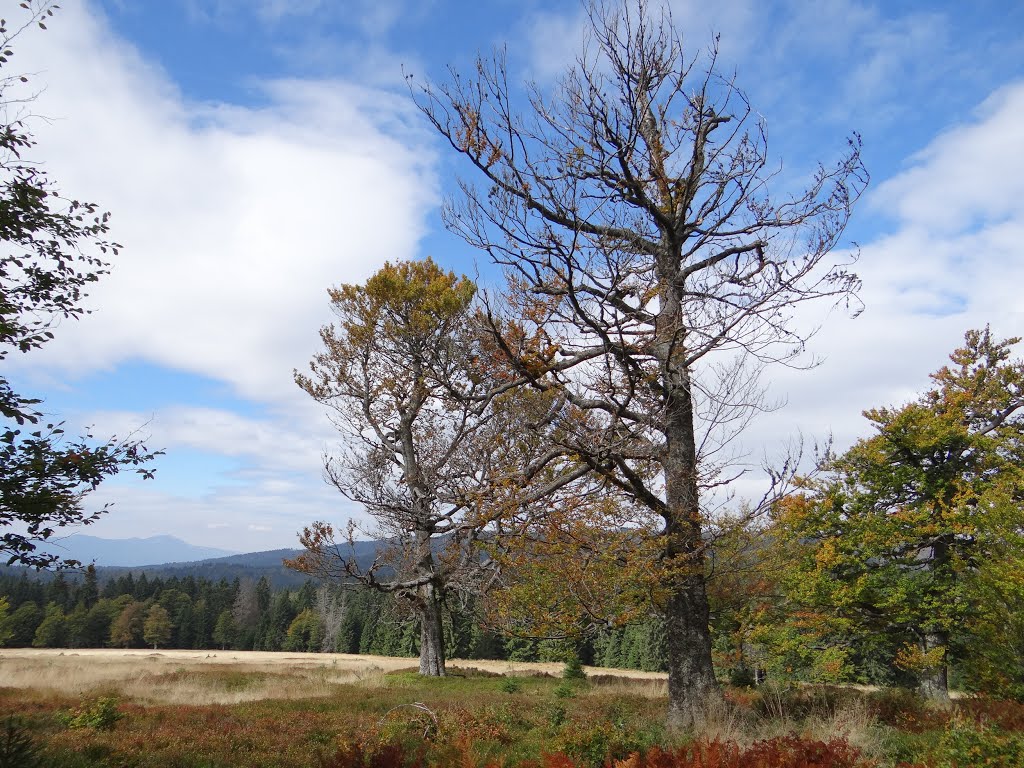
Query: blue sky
x=254, y=152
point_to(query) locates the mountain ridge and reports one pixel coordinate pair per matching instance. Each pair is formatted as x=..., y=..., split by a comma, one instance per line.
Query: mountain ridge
x=131, y=552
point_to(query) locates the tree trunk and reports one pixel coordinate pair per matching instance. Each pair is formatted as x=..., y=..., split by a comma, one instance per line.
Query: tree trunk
x=692, y=687
x=431, y=632
x=934, y=681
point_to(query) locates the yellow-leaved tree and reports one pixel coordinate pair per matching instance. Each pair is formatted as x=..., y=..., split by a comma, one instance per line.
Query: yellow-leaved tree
x=916, y=534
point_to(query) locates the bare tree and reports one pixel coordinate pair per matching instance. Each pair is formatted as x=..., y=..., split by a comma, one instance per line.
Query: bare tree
x=245, y=611
x=655, y=268
x=402, y=377
x=331, y=606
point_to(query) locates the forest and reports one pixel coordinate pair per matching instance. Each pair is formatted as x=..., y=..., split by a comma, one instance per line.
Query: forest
x=190, y=613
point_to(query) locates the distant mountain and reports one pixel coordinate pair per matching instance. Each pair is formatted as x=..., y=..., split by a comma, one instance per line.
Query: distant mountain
x=251, y=565
x=131, y=552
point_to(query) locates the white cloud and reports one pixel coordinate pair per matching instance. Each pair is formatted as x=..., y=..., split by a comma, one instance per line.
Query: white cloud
x=292, y=444
x=954, y=262
x=235, y=220
x=970, y=174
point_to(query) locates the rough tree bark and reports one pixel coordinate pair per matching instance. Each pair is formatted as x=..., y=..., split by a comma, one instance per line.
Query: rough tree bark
x=651, y=272
x=933, y=683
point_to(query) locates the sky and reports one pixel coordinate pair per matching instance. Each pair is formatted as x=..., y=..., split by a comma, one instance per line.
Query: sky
x=255, y=152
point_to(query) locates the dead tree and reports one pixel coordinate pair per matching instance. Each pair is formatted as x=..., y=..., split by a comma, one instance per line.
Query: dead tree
x=654, y=265
x=431, y=445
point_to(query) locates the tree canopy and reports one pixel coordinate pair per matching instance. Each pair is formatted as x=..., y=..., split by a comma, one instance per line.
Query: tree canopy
x=915, y=532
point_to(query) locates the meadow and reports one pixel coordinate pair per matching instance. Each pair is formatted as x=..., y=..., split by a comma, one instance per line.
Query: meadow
x=139, y=709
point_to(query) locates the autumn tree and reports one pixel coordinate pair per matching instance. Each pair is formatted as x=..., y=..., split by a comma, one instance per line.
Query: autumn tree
x=305, y=633
x=581, y=562
x=126, y=630
x=654, y=257
x=156, y=630
x=51, y=249
x=915, y=532
x=399, y=376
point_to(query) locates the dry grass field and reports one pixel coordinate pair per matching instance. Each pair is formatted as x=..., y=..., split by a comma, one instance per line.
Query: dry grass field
x=230, y=677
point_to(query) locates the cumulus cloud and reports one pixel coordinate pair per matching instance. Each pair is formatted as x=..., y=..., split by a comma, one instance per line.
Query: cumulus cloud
x=234, y=219
x=971, y=174
x=277, y=444
x=952, y=262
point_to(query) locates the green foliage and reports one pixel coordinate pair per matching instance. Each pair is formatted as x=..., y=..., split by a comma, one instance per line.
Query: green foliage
x=565, y=691
x=6, y=632
x=156, y=630
x=511, y=685
x=574, y=668
x=638, y=645
x=17, y=748
x=100, y=714
x=978, y=745
x=556, y=714
x=52, y=632
x=23, y=623
x=225, y=630
x=305, y=633
x=597, y=742
x=913, y=534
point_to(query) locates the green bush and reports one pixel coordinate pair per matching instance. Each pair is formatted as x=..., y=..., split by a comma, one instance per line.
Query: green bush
x=511, y=685
x=565, y=691
x=574, y=668
x=557, y=715
x=598, y=742
x=100, y=715
x=972, y=745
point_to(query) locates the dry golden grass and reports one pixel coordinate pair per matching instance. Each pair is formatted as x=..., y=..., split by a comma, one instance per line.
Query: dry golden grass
x=231, y=677
x=180, y=677
x=627, y=683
